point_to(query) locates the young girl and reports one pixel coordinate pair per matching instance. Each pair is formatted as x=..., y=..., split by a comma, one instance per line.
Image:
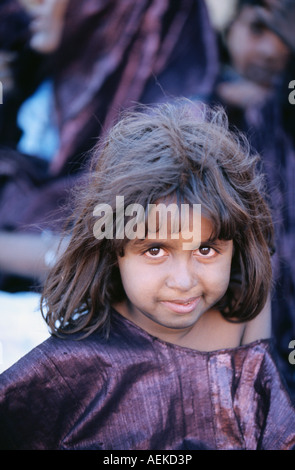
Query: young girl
x=159, y=306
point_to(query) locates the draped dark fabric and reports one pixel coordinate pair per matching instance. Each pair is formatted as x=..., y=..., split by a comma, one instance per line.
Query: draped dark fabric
x=134, y=391
x=114, y=54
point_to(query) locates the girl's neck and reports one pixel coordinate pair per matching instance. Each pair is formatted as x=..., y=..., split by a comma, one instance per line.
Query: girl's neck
x=210, y=333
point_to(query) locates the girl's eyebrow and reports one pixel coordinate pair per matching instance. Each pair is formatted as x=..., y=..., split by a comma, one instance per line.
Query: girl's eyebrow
x=169, y=242
x=150, y=241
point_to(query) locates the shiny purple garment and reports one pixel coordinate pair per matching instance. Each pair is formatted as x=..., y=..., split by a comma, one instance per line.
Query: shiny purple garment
x=134, y=391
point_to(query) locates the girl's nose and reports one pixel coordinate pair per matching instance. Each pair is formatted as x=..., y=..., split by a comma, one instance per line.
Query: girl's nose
x=182, y=276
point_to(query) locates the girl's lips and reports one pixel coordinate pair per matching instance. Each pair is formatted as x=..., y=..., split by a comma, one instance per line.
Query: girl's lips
x=182, y=306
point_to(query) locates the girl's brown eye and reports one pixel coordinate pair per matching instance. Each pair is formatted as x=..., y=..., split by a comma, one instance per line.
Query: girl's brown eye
x=154, y=251
x=205, y=250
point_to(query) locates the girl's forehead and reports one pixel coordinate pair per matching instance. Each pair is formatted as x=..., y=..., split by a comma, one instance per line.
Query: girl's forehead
x=172, y=222
x=175, y=217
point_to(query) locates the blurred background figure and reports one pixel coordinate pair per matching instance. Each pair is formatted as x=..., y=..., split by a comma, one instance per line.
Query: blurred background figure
x=272, y=129
x=14, y=34
x=77, y=65
x=257, y=65
x=253, y=57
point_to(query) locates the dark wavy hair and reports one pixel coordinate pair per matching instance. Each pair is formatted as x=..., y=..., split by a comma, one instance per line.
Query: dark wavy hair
x=181, y=149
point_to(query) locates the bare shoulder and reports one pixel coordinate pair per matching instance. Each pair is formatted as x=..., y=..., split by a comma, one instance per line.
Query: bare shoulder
x=218, y=333
x=259, y=327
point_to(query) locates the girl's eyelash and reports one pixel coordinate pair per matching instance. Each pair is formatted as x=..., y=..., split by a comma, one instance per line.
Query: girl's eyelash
x=146, y=250
x=209, y=245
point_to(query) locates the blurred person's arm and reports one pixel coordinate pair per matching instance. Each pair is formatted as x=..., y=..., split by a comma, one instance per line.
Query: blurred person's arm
x=242, y=93
x=28, y=255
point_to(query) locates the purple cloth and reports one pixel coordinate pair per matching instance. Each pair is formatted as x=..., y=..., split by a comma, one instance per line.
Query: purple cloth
x=114, y=54
x=134, y=391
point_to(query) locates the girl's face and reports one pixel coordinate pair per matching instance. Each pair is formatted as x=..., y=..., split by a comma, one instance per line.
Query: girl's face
x=169, y=288
x=256, y=52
